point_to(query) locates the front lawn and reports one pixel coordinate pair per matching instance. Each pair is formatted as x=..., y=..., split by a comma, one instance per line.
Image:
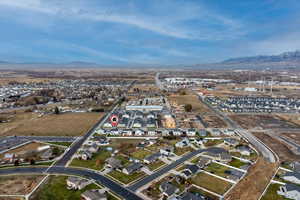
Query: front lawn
x=124, y=178
x=155, y=165
x=271, y=193
x=217, y=169
x=140, y=154
x=97, y=162
x=181, y=151
x=236, y=163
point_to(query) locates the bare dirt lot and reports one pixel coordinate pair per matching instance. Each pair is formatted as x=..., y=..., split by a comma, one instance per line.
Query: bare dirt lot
x=250, y=187
x=283, y=152
x=295, y=136
x=68, y=124
x=18, y=185
x=263, y=121
x=209, y=118
x=28, y=147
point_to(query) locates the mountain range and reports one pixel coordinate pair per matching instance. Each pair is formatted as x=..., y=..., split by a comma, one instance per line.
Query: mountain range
x=286, y=60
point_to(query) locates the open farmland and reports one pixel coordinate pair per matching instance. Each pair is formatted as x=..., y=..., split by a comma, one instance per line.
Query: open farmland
x=251, y=187
x=68, y=124
x=284, y=153
x=263, y=121
x=20, y=185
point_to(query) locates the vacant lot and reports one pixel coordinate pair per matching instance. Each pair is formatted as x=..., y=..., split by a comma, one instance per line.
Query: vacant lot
x=251, y=187
x=192, y=99
x=284, y=153
x=124, y=178
x=263, y=121
x=68, y=124
x=20, y=185
x=211, y=183
x=26, y=148
x=295, y=136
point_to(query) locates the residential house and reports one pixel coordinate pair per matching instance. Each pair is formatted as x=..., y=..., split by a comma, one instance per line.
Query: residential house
x=296, y=166
x=202, y=133
x=127, y=132
x=138, y=123
x=168, y=189
x=95, y=194
x=134, y=167
x=234, y=174
x=231, y=141
x=84, y=155
x=203, y=162
x=76, y=183
x=229, y=132
x=152, y=158
x=113, y=163
x=190, y=196
x=244, y=150
x=101, y=140
x=189, y=171
x=293, y=177
x=151, y=132
x=289, y=191
x=183, y=143
x=215, y=132
x=177, y=132
x=165, y=132
x=219, y=154
x=47, y=154
x=139, y=132
x=191, y=132
x=167, y=151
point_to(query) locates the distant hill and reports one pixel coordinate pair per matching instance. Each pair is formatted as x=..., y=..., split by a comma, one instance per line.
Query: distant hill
x=287, y=57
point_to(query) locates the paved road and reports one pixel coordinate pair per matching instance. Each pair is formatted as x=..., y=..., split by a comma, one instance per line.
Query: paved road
x=75, y=146
x=163, y=170
x=158, y=82
x=264, y=149
x=115, y=187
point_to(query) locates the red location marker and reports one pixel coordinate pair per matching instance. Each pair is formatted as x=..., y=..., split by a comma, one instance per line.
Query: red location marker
x=114, y=120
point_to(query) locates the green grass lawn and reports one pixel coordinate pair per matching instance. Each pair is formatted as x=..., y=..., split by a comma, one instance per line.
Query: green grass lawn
x=155, y=165
x=271, y=193
x=217, y=169
x=56, y=189
x=211, y=183
x=97, y=162
x=124, y=178
x=181, y=151
x=236, y=163
x=211, y=143
x=67, y=144
x=195, y=160
x=140, y=154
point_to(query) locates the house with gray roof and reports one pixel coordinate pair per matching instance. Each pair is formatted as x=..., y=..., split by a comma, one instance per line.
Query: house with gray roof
x=152, y=158
x=134, y=167
x=190, y=196
x=113, y=163
x=76, y=183
x=168, y=189
x=293, y=177
x=189, y=171
x=96, y=194
x=289, y=191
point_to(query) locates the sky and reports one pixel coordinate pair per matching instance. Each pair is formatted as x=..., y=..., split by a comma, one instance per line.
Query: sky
x=146, y=32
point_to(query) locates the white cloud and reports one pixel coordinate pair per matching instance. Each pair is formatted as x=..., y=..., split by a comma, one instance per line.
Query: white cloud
x=169, y=22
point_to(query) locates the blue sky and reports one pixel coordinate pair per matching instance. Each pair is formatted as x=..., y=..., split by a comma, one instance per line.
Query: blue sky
x=146, y=31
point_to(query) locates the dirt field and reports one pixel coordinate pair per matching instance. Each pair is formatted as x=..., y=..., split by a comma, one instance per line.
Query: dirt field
x=294, y=136
x=18, y=184
x=250, y=187
x=192, y=99
x=68, y=124
x=263, y=121
x=291, y=118
x=28, y=147
x=283, y=152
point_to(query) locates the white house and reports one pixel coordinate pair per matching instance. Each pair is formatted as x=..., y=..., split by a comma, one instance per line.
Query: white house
x=76, y=183
x=293, y=177
x=289, y=191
